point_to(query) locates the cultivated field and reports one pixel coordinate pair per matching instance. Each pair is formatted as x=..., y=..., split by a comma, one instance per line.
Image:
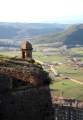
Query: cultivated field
x=68, y=71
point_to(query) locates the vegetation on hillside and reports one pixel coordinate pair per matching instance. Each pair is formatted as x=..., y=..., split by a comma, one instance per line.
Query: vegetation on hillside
x=71, y=37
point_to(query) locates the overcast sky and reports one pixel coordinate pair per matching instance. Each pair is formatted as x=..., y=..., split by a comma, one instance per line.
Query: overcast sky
x=41, y=11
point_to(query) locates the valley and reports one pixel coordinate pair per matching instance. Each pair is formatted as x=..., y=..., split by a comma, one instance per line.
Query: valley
x=57, y=47
x=69, y=76
x=66, y=70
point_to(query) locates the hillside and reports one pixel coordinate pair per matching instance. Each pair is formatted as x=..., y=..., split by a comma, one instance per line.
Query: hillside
x=40, y=34
x=18, y=30
x=11, y=34
x=71, y=37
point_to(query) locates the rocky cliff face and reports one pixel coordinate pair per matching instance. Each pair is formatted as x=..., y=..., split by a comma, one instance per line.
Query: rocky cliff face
x=30, y=104
x=22, y=100
x=26, y=71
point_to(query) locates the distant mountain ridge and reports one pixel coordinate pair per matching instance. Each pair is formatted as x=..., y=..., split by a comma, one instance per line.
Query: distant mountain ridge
x=71, y=37
x=51, y=35
x=19, y=30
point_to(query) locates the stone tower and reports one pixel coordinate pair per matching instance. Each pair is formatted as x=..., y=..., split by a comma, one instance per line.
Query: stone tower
x=26, y=49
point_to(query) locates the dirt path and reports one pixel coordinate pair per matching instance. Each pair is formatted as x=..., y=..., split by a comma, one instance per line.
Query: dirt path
x=55, y=73
x=39, y=62
x=76, y=81
x=53, y=70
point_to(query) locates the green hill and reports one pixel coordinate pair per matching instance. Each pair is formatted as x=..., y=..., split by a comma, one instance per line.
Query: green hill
x=71, y=37
x=11, y=34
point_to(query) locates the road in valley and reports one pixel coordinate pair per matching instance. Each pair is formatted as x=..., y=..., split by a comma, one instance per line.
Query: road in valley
x=76, y=81
x=55, y=72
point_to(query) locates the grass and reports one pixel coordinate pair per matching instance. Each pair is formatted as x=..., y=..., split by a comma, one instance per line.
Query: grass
x=77, y=52
x=69, y=88
x=68, y=70
x=52, y=58
x=9, y=54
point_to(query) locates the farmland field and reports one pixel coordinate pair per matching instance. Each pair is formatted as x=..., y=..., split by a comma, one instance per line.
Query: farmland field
x=70, y=71
x=67, y=70
x=69, y=89
x=51, y=58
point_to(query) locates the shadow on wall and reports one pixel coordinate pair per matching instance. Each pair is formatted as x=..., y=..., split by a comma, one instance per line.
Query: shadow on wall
x=33, y=103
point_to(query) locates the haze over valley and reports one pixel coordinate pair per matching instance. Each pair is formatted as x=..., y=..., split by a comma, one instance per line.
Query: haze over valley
x=44, y=34
x=12, y=33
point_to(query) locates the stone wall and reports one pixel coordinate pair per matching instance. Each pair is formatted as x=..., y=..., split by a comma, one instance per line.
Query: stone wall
x=68, y=113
